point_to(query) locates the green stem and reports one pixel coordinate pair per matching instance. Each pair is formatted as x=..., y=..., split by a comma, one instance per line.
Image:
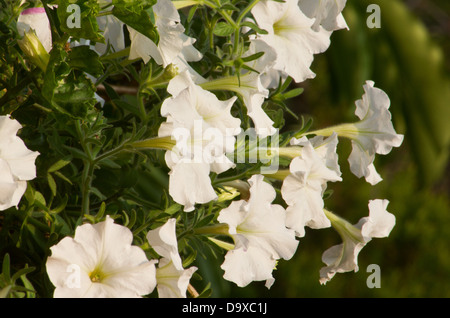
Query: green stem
x=245, y=11
x=142, y=109
x=122, y=53
x=88, y=174
x=232, y=178
x=343, y=227
x=343, y=130
x=165, y=143
x=216, y=229
x=180, y=4
x=279, y=175
x=111, y=152
x=101, y=14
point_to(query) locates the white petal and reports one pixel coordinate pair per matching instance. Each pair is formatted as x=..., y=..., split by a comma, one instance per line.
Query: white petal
x=142, y=47
x=244, y=266
x=380, y=222
x=189, y=183
x=171, y=281
x=20, y=159
x=307, y=210
x=327, y=13
x=11, y=191
x=164, y=241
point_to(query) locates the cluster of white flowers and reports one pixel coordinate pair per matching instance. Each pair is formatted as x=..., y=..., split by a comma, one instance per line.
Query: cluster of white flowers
x=205, y=131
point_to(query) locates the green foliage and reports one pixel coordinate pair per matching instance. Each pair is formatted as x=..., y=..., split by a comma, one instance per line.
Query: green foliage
x=87, y=168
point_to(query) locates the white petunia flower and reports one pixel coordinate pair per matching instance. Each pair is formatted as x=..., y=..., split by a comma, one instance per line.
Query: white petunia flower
x=374, y=134
x=344, y=257
x=17, y=163
x=302, y=190
x=327, y=13
x=174, y=46
x=100, y=262
x=261, y=238
x=204, y=131
x=250, y=88
x=171, y=278
x=291, y=36
x=325, y=148
x=36, y=19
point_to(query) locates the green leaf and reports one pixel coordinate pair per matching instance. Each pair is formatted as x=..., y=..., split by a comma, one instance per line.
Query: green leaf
x=67, y=92
x=254, y=27
x=138, y=19
x=192, y=13
x=51, y=183
x=223, y=29
x=75, y=95
x=84, y=59
x=83, y=26
x=293, y=93
x=252, y=57
x=60, y=175
x=22, y=272
x=39, y=200
x=174, y=208
x=62, y=206
x=4, y=292
x=205, y=221
x=59, y=165
x=6, y=268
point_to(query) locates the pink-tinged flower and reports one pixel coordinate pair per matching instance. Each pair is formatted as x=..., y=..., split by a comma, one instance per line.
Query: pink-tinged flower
x=344, y=257
x=291, y=36
x=260, y=235
x=36, y=19
x=171, y=278
x=100, y=262
x=17, y=163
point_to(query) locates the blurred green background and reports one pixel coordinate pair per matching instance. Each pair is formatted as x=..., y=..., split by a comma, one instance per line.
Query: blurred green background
x=408, y=58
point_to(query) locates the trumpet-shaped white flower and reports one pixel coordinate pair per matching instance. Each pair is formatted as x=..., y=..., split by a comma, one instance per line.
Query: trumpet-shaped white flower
x=374, y=133
x=204, y=130
x=171, y=278
x=291, y=36
x=174, y=46
x=261, y=238
x=325, y=148
x=302, y=190
x=250, y=88
x=100, y=262
x=17, y=163
x=327, y=13
x=36, y=19
x=344, y=257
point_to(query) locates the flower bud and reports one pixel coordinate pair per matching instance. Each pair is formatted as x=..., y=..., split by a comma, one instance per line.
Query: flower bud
x=34, y=49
